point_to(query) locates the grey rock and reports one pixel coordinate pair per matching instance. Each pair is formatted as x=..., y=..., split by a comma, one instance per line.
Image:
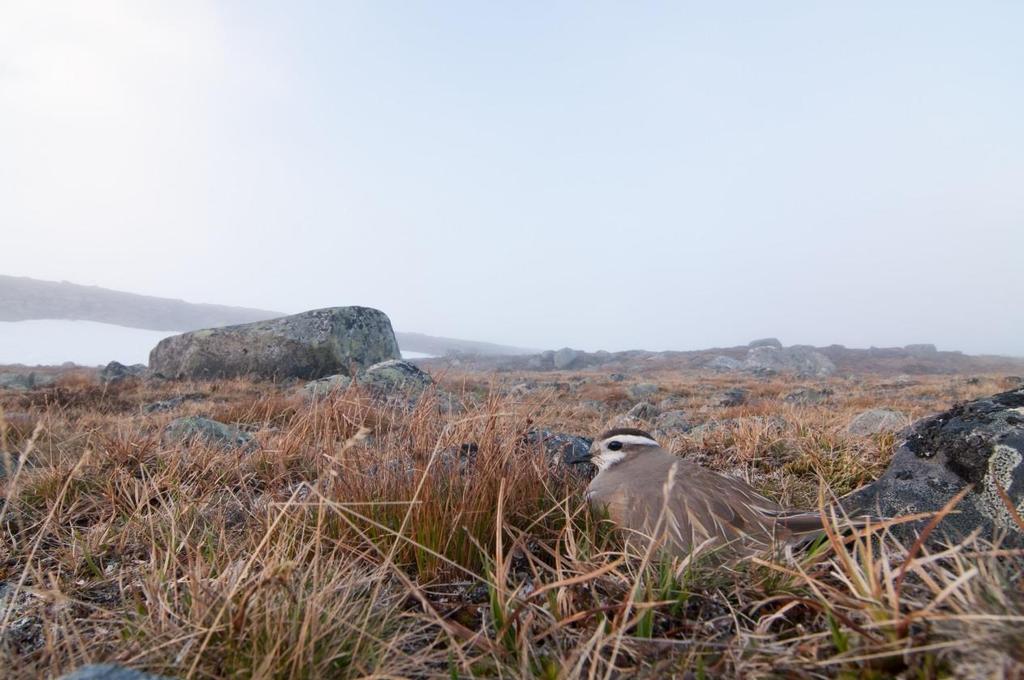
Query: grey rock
x=566, y=358
x=625, y=420
x=26, y=381
x=115, y=372
x=672, y=403
x=545, y=361
x=808, y=395
x=643, y=411
x=724, y=364
x=737, y=396
x=672, y=422
x=395, y=377
x=568, y=448
x=617, y=377
x=44, y=379
x=798, y=360
x=765, y=342
x=875, y=421
x=325, y=386
x=194, y=428
x=978, y=443
x=307, y=346
x=641, y=391
x=16, y=381
x=922, y=349
x=106, y=671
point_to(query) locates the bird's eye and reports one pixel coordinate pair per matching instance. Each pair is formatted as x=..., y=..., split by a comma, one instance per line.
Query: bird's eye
x=614, y=445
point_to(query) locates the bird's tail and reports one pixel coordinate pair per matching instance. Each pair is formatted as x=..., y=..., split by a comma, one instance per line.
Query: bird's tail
x=811, y=524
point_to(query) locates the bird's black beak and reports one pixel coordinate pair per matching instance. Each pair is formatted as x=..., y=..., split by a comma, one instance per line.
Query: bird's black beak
x=578, y=453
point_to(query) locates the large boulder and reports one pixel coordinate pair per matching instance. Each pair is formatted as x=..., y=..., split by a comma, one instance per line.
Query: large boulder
x=798, y=360
x=765, y=342
x=308, y=346
x=978, y=444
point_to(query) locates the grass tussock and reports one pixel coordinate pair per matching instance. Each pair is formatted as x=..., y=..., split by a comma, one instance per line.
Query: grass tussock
x=365, y=539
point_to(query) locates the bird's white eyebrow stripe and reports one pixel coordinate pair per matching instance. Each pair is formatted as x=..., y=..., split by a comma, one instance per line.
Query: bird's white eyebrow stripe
x=633, y=439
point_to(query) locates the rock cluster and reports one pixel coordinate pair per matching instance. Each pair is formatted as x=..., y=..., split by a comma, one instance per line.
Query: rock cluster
x=26, y=381
x=115, y=372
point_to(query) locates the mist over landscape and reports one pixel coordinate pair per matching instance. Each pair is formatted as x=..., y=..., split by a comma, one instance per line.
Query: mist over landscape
x=562, y=340
x=614, y=178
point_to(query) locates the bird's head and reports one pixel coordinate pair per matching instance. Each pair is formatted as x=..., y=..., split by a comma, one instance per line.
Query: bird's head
x=617, y=445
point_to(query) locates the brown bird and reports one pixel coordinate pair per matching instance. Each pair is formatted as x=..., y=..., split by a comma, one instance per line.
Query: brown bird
x=647, y=491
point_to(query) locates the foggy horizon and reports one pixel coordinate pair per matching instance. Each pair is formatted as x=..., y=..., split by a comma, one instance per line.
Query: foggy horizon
x=594, y=176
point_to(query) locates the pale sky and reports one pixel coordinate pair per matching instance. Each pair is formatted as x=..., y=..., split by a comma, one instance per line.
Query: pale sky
x=600, y=175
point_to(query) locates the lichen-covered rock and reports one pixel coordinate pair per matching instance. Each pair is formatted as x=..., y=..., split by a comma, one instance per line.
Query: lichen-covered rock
x=209, y=432
x=875, y=421
x=566, y=358
x=978, y=443
x=797, y=360
x=322, y=387
x=107, y=671
x=308, y=346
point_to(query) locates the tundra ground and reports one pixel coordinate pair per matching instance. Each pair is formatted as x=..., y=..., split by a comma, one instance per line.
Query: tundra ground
x=364, y=539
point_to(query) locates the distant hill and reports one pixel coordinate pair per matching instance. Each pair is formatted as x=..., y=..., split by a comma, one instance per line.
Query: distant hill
x=22, y=299
x=25, y=299
x=418, y=342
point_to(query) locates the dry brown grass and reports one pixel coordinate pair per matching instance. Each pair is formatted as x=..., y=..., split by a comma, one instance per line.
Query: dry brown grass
x=359, y=540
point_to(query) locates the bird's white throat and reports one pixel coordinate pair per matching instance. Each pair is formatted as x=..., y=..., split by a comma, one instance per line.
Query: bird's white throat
x=606, y=459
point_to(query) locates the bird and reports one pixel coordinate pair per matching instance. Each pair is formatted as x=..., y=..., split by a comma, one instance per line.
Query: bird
x=684, y=507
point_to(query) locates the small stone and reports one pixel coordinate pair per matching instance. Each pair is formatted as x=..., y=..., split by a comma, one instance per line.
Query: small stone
x=643, y=411
x=207, y=431
x=640, y=391
x=672, y=422
x=875, y=421
x=808, y=395
x=331, y=384
x=115, y=372
x=724, y=364
x=736, y=396
x=106, y=671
